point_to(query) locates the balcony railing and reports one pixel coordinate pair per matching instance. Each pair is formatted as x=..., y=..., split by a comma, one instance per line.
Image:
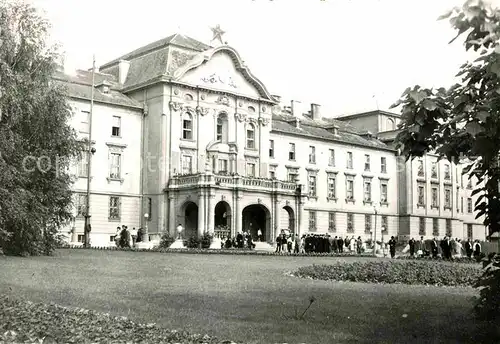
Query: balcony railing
x=231, y=182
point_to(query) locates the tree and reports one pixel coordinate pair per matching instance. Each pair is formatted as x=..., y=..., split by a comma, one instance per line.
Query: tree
x=36, y=141
x=462, y=123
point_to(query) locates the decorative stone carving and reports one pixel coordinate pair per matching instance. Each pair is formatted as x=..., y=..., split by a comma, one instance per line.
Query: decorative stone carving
x=240, y=117
x=223, y=198
x=176, y=106
x=259, y=200
x=264, y=121
x=264, y=109
x=176, y=91
x=240, y=104
x=251, y=120
x=287, y=203
x=224, y=100
x=202, y=97
x=201, y=110
x=189, y=109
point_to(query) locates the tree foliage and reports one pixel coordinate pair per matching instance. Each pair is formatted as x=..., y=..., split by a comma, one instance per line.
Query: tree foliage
x=462, y=123
x=36, y=141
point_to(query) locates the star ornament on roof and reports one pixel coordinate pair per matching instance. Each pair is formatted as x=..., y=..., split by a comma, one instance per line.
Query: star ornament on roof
x=218, y=32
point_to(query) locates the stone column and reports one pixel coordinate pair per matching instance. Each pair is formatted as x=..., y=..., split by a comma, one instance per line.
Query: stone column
x=210, y=210
x=302, y=217
x=171, y=215
x=276, y=225
x=201, y=212
x=237, y=215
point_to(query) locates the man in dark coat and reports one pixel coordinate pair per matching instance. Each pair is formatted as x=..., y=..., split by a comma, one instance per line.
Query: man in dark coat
x=392, y=246
x=468, y=248
x=340, y=245
x=412, y=247
x=434, y=248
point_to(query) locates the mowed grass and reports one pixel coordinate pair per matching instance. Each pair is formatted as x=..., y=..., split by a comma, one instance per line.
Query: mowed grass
x=243, y=298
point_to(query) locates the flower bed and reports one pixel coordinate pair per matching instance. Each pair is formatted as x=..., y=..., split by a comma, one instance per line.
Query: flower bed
x=464, y=260
x=27, y=322
x=235, y=251
x=402, y=272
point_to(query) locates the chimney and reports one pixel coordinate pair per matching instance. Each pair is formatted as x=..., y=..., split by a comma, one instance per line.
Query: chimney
x=296, y=108
x=123, y=67
x=315, y=112
x=297, y=123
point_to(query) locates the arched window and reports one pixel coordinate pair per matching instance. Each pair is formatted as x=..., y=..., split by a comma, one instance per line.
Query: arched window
x=187, y=126
x=221, y=130
x=250, y=136
x=390, y=124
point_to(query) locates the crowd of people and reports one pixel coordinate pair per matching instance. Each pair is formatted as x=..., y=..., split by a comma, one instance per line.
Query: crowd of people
x=447, y=248
x=318, y=243
x=241, y=240
x=125, y=238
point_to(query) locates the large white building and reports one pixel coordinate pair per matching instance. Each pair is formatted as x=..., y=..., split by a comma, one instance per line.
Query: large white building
x=185, y=133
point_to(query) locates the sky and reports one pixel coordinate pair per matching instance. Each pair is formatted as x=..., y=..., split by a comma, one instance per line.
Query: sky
x=348, y=56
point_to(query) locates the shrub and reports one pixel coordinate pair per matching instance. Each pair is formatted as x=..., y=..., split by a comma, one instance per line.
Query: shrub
x=206, y=240
x=405, y=272
x=488, y=303
x=166, y=240
x=192, y=242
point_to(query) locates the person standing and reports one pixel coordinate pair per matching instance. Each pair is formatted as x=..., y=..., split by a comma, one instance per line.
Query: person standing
x=468, y=248
x=179, y=231
x=412, y=247
x=278, y=243
x=392, y=247
x=259, y=235
x=133, y=234
x=434, y=248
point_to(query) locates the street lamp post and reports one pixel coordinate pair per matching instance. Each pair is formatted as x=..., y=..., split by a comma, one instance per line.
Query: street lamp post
x=383, y=245
x=375, y=231
x=146, y=234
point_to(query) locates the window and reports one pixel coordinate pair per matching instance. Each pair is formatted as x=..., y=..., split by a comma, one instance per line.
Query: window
x=115, y=165
x=461, y=204
x=272, y=172
x=223, y=166
x=250, y=136
x=350, y=223
x=421, y=195
x=367, y=162
x=390, y=124
x=420, y=168
x=367, y=183
x=385, y=223
x=434, y=197
x=80, y=238
x=457, y=200
x=312, y=185
x=112, y=238
x=291, y=151
x=469, y=231
x=312, y=220
x=383, y=192
x=469, y=205
x=434, y=170
x=221, y=130
x=83, y=165
x=368, y=223
x=435, y=227
x=332, y=227
x=332, y=186
x=250, y=169
x=114, y=208
x=447, y=198
x=81, y=205
x=331, y=157
x=447, y=173
x=312, y=154
x=292, y=174
x=85, y=122
x=187, y=164
x=187, y=126
x=271, y=148
x=349, y=188
x=349, y=160
x=383, y=165
x=448, y=227
x=421, y=226
x=115, y=129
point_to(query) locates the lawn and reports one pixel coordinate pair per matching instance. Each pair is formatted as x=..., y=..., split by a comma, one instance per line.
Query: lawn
x=244, y=298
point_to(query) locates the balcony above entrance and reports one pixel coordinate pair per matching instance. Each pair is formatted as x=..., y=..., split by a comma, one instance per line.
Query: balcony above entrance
x=182, y=182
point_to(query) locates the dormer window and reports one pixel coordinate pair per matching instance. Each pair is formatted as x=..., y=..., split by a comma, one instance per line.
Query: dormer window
x=104, y=87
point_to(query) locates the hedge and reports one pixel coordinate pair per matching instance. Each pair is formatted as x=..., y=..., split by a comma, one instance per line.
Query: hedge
x=400, y=272
x=26, y=322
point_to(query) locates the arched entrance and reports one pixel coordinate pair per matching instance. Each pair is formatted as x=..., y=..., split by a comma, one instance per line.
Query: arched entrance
x=222, y=220
x=190, y=220
x=287, y=219
x=255, y=217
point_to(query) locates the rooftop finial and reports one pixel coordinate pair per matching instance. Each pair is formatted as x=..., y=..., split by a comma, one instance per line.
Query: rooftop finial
x=218, y=32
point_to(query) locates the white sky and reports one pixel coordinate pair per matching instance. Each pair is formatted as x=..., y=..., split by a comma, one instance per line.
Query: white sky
x=337, y=53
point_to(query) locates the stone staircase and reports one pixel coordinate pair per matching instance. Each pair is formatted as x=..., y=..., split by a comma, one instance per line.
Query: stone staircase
x=263, y=246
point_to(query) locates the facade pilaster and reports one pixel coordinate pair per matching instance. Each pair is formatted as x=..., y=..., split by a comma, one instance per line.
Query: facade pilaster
x=201, y=212
x=238, y=222
x=171, y=214
x=210, y=211
x=276, y=225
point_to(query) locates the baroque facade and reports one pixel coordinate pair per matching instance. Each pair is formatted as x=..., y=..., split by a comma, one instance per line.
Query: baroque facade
x=185, y=133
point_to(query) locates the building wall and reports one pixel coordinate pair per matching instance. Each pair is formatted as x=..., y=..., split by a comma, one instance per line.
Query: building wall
x=127, y=188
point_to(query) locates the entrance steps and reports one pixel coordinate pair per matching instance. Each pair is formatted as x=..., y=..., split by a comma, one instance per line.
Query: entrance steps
x=263, y=246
